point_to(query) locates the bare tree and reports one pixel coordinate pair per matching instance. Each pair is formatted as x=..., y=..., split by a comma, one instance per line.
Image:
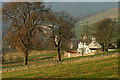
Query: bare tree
x=60, y=27
x=105, y=32
x=24, y=18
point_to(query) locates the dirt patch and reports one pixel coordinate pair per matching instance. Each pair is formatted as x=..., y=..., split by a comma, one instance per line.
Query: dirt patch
x=70, y=74
x=106, y=68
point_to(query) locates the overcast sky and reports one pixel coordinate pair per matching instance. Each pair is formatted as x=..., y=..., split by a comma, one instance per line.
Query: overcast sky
x=83, y=0
x=66, y=0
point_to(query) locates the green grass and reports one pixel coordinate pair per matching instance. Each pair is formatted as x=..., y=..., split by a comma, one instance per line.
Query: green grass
x=99, y=68
x=12, y=66
x=31, y=58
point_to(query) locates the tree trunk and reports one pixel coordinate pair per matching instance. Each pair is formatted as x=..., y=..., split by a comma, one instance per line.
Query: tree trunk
x=26, y=58
x=103, y=48
x=82, y=51
x=106, y=49
x=59, y=55
x=3, y=58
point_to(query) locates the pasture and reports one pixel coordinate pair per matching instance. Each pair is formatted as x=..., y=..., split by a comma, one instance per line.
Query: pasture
x=102, y=65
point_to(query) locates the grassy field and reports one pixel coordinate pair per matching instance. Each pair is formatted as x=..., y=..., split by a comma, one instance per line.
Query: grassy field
x=40, y=57
x=98, y=67
x=16, y=59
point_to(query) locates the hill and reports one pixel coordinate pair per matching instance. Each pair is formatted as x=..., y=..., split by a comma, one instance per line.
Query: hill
x=102, y=65
x=112, y=13
x=78, y=9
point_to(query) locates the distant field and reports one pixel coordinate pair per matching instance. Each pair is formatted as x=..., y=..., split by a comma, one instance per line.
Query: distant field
x=98, y=67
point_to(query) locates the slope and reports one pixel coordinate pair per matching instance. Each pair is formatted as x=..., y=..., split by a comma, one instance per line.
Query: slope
x=112, y=13
x=97, y=67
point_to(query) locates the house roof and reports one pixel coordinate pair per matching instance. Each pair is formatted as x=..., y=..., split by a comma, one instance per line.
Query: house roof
x=87, y=40
x=111, y=46
x=94, y=45
x=91, y=42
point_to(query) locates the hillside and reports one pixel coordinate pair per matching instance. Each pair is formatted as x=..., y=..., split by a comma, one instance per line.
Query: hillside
x=112, y=13
x=99, y=66
x=78, y=9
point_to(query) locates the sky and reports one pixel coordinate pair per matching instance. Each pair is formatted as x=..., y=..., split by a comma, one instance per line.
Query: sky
x=83, y=0
x=65, y=0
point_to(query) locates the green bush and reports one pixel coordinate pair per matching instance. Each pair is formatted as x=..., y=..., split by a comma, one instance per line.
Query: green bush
x=118, y=44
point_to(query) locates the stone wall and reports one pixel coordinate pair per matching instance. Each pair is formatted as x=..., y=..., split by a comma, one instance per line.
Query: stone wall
x=111, y=49
x=68, y=55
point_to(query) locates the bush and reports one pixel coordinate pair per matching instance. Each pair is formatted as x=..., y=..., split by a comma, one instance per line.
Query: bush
x=118, y=44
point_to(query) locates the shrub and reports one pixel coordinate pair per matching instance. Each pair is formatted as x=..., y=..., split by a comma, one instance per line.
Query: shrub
x=118, y=44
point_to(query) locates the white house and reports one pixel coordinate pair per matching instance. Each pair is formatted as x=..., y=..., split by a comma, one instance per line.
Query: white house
x=94, y=46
